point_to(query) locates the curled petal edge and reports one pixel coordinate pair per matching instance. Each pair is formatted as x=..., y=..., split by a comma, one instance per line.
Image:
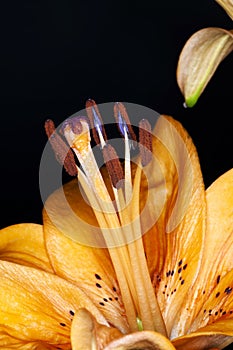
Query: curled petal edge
x=141, y=340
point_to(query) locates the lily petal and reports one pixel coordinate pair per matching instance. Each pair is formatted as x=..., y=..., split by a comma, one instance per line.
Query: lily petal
x=88, y=334
x=217, y=335
x=16, y=344
x=141, y=341
x=199, y=59
x=227, y=5
x=219, y=305
x=212, y=294
x=88, y=268
x=219, y=229
x=174, y=244
x=24, y=244
x=38, y=307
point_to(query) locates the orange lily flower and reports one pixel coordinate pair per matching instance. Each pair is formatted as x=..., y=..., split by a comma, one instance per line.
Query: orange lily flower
x=144, y=261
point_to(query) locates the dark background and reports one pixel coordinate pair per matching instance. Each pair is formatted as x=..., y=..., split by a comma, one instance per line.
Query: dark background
x=56, y=54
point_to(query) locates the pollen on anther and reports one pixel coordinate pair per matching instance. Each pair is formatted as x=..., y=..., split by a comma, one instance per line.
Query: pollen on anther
x=145, y=142
x=113, y=165
x=95, y=120
x=63, y=153
x=123, y=121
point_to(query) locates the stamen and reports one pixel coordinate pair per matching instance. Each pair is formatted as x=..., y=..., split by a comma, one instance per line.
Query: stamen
x=128, y=177
x=120, y=221
x=62, y=152
x=128, y=134
x=149, y=311
x=124, y=124
x=80, y=142
x=111, y=230
x=99, y=198
x=95, y=118
x=113, y=165
x=145, y=142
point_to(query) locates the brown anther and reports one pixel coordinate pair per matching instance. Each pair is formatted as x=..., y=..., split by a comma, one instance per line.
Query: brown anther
x=62, y=152
x=113, y=165
x=145, y=142
x=95, y=120
x=49, y=127
x=120, y=108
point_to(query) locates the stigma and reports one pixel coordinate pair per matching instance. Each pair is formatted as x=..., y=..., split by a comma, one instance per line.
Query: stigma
x=117, y=209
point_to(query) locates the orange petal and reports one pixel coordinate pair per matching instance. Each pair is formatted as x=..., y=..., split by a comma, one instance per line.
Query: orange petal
x=216, y=335
x=24, y=244
x=174, y=245
x=86, y=331
x=218, y=306
x=212, y=290
x=87, y=267
x=219, y=229
x=9, y=344
x=141, y=341
x=38, y=307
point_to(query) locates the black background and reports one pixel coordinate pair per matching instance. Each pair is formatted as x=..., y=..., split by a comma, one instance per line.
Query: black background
x=56, y=54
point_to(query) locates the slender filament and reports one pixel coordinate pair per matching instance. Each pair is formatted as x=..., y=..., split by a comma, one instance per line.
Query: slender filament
x=121, y=228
